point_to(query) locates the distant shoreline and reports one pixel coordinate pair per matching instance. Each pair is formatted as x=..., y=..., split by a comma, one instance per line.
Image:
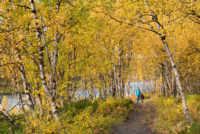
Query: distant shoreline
x=9, y=93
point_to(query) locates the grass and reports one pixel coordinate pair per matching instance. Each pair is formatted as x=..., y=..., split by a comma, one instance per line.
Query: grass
x=8, y=128
x=99, y=115
x=79, y=117
x=147, y=96
x=170, y=115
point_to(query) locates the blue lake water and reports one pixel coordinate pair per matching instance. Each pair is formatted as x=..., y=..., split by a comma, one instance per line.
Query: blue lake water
x=13, y=100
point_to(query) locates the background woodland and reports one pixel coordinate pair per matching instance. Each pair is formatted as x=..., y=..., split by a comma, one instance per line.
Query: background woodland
x=59, y=52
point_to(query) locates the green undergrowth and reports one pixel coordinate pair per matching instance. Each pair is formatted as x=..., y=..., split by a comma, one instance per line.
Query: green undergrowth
x=88, y=117
x=147, y=96
x=171, y=118
x=95, y=116
x=7, y=128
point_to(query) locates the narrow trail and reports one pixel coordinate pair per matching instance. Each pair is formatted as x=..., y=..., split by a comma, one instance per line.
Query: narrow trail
x=139, y=120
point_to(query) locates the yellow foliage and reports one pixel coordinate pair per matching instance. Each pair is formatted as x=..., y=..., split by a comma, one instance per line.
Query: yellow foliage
x=84, y=121
x=170, y=113
x=5, y=102
x=168, y=102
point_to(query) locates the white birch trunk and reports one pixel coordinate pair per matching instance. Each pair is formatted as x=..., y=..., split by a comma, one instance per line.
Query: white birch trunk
x=105, y=90
x=91, y=88
x=39, y=100
x=178, y=82
x=163, y=80
x=41, y=66
x=100, y=96
x=4, y=112
x=173, y=85
x=119, y=74
x=187, y=86
x=113, y=90
x=198, y=81
x=186, y=112
x=167, y=77
x=54, y=64
x=26, y=84
x=115, y=75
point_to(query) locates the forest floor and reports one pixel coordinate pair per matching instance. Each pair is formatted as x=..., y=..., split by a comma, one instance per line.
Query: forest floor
x=140, y=121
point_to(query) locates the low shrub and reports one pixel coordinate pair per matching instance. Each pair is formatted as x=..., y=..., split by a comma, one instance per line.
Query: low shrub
x=98, y=117
x=79, y=117
x=7, y=127
x=147, y=96
x=171, y=117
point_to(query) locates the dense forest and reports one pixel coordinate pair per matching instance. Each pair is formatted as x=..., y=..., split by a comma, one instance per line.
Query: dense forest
x=71, y=63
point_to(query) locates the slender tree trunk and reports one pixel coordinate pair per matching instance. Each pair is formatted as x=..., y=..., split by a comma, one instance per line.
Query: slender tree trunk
x=54, y=64
x=187, y=86
x=41, y=66
x=105, y=91
x=39, y=100
x=26, y=85
x=119, y=74
x=163, y=80
x=16, y=86
x=85, y=88
x=91, y=88
x=167, y=77
x=122, y=87
x=178, y=82
x=68, y=90
x=173, y=85
x=113, y=87
x=4, y=112
x=128, y=88
x=44, y=40
x=115, y=75
x=134, y=81
x=198, y=81
x=100, y=96
x=191, y=86
x=153, y=83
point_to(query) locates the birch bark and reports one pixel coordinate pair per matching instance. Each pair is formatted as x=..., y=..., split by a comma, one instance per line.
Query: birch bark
x=41, y=66
x=186, y=112
x=4, y=112
x=120, y=74
x=178, y=82
x=115, y=75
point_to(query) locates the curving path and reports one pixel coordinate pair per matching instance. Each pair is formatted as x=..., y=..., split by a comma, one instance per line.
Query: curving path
x=139, y=120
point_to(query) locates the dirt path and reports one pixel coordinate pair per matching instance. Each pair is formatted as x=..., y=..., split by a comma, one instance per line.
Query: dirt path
x=139, y=120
